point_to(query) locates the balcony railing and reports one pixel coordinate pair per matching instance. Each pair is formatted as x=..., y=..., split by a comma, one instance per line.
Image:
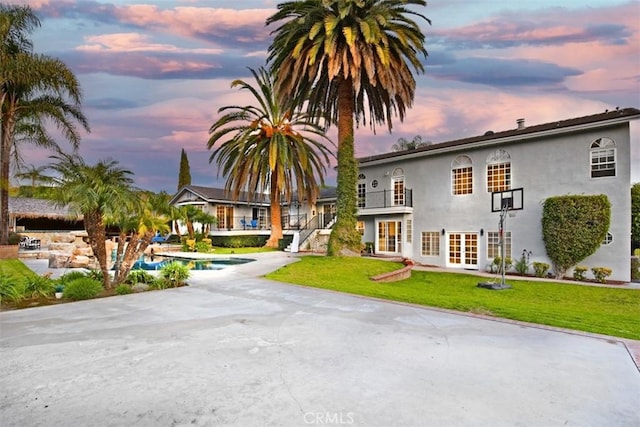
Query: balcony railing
x=386, y=199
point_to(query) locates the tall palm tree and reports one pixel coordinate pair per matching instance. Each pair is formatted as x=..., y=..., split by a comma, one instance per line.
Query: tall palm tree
x=33, y=89
x=353, y=60
x=97, y=192
x=271, y=149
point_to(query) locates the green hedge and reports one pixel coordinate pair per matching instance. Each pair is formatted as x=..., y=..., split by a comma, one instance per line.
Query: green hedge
x=253, y=241
x=285, y=241
x=573, y=227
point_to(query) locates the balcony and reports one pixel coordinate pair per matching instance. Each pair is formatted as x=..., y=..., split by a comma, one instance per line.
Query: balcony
x=386, y=201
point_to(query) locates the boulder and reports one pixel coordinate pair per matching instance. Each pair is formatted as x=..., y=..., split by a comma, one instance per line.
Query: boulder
x=86, y=251
x=62, y=238
x=62, y=247
x=79, y=261
x=58, y=259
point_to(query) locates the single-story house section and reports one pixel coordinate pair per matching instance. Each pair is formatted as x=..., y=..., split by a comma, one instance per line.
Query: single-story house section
x=38, y=215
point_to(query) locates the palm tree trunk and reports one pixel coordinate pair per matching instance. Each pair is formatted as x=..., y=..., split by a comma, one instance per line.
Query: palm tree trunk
x=344, y=239
x=97, y=236
x=135, y=248
x=6, y=130
x=276, y=214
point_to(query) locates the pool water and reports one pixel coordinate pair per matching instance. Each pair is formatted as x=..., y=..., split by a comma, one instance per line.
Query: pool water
x=156, y=263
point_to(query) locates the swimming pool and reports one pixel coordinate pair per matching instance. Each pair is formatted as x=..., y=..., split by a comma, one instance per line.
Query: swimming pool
x=218, y=263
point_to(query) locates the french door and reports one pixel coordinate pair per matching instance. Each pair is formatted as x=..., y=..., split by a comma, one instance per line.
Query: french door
x=390, y=236
x=463, y=250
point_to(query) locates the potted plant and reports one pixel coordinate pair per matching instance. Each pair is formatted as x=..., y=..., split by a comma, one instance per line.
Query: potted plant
x=59, y=289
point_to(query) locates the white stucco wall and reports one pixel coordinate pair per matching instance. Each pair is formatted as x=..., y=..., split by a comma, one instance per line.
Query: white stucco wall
x=544, y=166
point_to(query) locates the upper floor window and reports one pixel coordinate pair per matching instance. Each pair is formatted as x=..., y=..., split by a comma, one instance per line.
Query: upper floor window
x=498, y=171
x=603, y=158
x=397, y=182
x=362, y=194
x=462, y=175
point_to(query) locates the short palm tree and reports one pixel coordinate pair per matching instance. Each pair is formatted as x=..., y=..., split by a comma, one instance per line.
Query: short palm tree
x=33, y=89
x=35, y=174
x=137, y=222
x=270, y=148
x=352, y=59
x=97, y=193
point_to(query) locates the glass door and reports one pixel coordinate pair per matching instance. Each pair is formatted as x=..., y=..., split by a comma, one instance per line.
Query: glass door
x=463, y=250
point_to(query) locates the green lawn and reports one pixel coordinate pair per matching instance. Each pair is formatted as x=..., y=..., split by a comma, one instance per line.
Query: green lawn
x=594, y=309
x=217, y=250
x=14, y=268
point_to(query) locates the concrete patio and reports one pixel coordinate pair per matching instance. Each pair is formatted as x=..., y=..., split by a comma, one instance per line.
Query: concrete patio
x=234, y=349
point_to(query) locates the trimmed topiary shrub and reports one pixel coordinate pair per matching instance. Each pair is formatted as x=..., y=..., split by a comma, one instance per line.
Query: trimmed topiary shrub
x=573, y=227
x=601, y=273
x=540, y=268
x=82, y=288
x=580, y=273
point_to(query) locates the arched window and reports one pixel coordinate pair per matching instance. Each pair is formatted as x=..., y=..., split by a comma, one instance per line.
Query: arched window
x=603, y=158
x=462, y=175
x=397, y=184
x=362, y=190
x=498, y=171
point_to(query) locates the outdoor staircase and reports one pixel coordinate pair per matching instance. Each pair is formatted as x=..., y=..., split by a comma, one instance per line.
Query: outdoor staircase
x=311, y=228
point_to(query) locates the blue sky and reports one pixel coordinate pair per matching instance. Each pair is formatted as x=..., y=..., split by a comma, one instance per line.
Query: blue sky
x=155, y=73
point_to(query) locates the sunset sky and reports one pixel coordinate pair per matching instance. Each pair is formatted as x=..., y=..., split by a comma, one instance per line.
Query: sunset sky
x=155, y=73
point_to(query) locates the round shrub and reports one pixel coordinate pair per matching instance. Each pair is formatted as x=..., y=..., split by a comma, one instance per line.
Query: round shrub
x=82, y=288
x=175, y=272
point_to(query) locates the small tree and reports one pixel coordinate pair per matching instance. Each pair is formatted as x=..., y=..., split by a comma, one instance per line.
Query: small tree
x=184, y=176
x=573, y=227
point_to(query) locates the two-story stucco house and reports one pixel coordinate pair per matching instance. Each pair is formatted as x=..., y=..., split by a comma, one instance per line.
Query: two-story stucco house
x=437, y=204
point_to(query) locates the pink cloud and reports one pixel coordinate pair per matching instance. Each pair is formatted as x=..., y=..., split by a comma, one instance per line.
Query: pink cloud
x=190, y=21
x=134, y=42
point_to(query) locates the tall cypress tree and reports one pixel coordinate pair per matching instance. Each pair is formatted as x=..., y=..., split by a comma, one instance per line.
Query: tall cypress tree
x=184, y=177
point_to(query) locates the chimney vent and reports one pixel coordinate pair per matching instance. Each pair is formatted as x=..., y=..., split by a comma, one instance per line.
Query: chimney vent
x=520, y=123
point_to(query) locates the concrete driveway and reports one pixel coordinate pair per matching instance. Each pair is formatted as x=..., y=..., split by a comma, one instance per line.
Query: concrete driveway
x=233, y=349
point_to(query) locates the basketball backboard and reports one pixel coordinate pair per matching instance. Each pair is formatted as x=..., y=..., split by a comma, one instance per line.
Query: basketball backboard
x=512, y=199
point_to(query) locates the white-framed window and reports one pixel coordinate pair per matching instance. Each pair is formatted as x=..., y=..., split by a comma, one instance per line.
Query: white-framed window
x=397, y=183
x=362, y=194
x=493, y=244
x=430, y=243
x=608, y=239
x=409, y=231
x=498, y=171
x=462, y=175
x=360, y=227
x=603, y=158
x=225, y=216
